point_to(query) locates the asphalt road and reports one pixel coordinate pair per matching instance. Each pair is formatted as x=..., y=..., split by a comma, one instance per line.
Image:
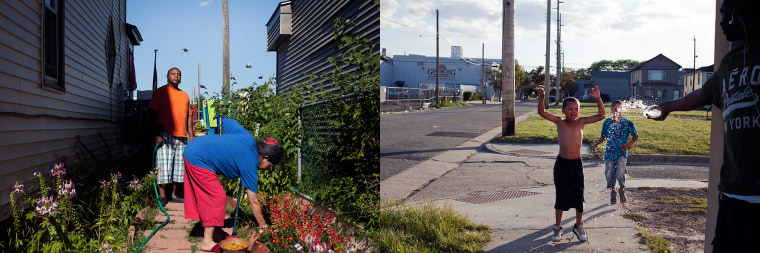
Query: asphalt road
x=407, y=139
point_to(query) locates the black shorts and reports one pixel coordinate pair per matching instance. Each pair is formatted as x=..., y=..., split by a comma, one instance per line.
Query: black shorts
x=568, y=184
x=737, y=226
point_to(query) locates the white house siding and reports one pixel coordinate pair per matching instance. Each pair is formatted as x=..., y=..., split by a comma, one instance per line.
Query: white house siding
x=38, y=123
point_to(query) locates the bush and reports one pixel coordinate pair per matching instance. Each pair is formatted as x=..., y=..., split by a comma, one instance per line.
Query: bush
x=467, y=95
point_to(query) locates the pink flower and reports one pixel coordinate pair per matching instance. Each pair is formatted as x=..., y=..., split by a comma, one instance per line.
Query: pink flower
x=18, y=188
x=67, y=189
x=46, y=206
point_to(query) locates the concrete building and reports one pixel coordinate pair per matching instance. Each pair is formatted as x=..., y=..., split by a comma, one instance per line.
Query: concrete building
x=418, y=71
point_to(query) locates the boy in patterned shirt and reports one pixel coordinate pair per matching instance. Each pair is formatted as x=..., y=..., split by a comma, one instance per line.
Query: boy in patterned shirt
x=616, y=130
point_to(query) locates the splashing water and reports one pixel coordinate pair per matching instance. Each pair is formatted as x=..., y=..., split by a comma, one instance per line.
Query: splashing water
x=652, y=111
x=639, y=107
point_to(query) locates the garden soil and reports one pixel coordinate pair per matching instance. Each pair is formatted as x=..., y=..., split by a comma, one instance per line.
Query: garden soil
x=674, y=214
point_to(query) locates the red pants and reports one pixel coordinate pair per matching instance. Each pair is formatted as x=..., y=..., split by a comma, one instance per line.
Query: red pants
x=204, y=196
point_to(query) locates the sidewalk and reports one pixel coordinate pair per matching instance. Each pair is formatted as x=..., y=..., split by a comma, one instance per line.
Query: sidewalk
x=509, y=187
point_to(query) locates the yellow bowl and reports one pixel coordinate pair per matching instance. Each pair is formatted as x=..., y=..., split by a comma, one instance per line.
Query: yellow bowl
x=234, y=245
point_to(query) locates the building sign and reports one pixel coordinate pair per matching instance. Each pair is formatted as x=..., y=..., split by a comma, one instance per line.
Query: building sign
x=443, y=73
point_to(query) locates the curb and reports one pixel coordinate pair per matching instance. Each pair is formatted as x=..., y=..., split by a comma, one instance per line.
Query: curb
x=657, y=158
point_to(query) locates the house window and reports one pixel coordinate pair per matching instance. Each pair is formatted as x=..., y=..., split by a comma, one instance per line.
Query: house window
x=676, y=94
x=656, y=75
x=53, y=44
x=658, y=94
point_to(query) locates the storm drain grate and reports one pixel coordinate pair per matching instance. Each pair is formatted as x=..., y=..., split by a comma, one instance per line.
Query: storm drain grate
x=531, y=152
x=482, y=199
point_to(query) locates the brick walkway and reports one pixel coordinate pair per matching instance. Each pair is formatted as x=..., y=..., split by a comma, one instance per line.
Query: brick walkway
x=175, y=236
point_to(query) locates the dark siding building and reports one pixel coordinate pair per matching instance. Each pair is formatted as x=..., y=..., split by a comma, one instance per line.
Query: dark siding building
x=301, y=32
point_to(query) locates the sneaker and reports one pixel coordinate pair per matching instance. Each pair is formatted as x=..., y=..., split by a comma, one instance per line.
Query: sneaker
x=622, y=196
x=162, y=201
x=557, y=233
x=613, y=199
x=177, y=199
x=580, y=232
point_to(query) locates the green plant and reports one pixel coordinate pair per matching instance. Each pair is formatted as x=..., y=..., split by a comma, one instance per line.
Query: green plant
x=65, y=211
x=654, y=243
x=634, y=216
x=467, y=95
x=429, y=228
x=198, y=127
x=351, y=153
x=446, y=103
x=296, y=227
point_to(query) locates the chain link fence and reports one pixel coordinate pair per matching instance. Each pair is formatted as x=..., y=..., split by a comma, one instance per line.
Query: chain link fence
x=398, y=99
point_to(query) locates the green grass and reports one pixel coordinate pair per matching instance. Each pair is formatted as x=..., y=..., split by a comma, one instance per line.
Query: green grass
x=634, y=216
x=429, y=228
x=654, y=243
x=674, y=136
x=447, y=103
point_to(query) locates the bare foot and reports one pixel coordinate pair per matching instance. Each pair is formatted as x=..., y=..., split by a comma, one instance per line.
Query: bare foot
x=206, y=246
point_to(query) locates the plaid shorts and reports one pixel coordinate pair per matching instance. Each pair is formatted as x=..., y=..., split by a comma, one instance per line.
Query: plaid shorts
x=169, y=162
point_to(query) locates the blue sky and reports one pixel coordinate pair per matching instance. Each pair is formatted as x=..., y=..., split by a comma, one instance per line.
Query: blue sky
x=592, y=29
x=171, y=26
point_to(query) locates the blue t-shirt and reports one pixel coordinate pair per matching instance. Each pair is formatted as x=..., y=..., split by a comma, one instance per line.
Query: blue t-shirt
x=233, y=154
x=617, y=134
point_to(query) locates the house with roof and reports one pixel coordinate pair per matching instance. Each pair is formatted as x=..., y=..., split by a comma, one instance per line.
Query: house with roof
x=656, y=79
x=66, y=71
x=695, y=79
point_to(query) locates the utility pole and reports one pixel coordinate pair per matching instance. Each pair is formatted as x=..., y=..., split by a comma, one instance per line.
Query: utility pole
x=547, y=76
x=694, y=74
x=226, y=51
x=437, y=100
x=559, y=49
x=508, y=69
x=483, y=71
x=200, y=103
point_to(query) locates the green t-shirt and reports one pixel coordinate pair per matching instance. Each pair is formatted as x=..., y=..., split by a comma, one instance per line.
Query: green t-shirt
x=735, y=89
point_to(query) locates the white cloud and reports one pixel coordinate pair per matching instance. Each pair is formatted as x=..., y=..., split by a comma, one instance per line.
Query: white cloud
x=592, y=29
x=206, y=3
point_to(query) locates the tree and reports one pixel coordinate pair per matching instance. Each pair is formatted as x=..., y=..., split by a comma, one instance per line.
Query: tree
x=567, y=82
x=493, y=76
x=623, y=65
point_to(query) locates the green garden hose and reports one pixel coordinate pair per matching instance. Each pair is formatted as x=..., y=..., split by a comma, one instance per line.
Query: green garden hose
x=155, y=189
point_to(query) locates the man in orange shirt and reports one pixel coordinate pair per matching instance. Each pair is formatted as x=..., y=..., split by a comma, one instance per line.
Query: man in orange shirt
x=169, y=111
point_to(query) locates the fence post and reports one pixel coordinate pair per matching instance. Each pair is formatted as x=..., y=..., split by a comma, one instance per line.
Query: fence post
x=299, y=147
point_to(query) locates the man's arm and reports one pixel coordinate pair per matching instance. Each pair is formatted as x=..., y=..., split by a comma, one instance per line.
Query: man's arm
x=541, y=111
x=156, y=129
x=599, y=104
x=690, y=102
x=253, y=199
x=190, y=126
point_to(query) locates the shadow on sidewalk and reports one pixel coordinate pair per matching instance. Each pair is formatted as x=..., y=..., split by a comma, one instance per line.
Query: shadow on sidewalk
x=540, y=240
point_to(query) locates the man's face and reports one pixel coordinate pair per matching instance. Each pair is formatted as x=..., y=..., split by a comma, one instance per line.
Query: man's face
x=571, y=110
x=730, y=23
x=174, y=77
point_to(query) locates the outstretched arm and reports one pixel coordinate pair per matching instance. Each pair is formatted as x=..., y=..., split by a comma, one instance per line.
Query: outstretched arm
x=690, y=102
x=599, y=104
x=541, y=111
